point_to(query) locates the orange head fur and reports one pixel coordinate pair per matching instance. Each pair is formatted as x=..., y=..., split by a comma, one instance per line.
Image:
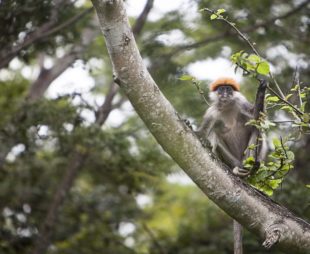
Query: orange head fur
x=224, y=82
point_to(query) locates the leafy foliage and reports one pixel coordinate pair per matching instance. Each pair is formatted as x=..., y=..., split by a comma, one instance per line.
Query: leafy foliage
x=270, y=176
x=251, y=64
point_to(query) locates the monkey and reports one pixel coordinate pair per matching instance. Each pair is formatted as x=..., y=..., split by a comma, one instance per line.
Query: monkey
x=224, y=126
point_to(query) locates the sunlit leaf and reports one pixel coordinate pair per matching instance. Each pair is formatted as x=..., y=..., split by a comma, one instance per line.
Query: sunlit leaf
x=276, y=142
x=220, y=11
x=263, y=68
x=186, y=77
x=254, y=58
x=213, y=16
x=272, y=99
x=306, y=117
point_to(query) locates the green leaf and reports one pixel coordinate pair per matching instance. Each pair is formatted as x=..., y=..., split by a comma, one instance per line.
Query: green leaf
x=250, y=159
x=288, y=96
x=272, y=99
x=276, y=142
x=263, y=68
x=186, y=77
x=275, y=183
x=290, y=155
x=269, y=192
x=295, y=88
x=306, y=117
x=308, y=186
x=286, y=107
x=251, y=147
x=213, y=16
x=254, y=58
x=220, y=11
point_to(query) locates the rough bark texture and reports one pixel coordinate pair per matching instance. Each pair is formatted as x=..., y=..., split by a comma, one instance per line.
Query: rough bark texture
x=252, y=209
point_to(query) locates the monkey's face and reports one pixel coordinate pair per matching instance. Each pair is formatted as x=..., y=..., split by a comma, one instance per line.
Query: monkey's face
x=225, y=94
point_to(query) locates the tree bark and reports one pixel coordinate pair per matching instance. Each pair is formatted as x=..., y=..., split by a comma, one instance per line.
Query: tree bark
x=256, y=212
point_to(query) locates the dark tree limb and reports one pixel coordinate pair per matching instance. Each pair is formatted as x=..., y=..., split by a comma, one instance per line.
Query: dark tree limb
x=140, y=22
x=105, y=109
x=47, y=76
x=45, y=30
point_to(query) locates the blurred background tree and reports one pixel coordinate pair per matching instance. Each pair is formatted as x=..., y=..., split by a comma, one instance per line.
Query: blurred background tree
x=76, y=163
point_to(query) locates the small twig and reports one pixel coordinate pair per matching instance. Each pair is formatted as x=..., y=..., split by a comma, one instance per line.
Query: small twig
x=277, y=170
x=277, y=85
x=248, y=29
x=285, y=101
x=201, y=92
x=236, y=29
x=281, y=162
x=68, y=22
x=297, y=82
x=279, y=122
x=248, y=42
x=281, y=140
x=153, y=238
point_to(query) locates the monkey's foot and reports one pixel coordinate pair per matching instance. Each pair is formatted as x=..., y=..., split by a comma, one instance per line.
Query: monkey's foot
x=273, y=234
x=241, y=172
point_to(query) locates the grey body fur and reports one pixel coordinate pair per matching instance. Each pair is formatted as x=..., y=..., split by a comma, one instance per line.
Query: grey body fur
x=224, y=126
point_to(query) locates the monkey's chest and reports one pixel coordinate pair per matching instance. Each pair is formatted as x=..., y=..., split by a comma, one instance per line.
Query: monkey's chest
x=236, y=137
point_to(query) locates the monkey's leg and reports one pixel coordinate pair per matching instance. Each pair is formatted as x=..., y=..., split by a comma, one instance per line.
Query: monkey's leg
x=230, y=159
x=237, y=238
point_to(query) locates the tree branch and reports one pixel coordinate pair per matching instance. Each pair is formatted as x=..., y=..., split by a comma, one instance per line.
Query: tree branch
x=248, y=29
x=252, y=209
x=140, y=22
x=46, y=29
x=47, y=76
x=105, y=109
x=68, y=22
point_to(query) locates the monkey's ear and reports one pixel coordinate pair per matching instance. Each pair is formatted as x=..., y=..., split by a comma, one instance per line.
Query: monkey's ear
x=226, y=82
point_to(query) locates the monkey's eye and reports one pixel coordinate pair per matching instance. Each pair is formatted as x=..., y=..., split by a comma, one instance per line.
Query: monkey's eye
x=225, y=89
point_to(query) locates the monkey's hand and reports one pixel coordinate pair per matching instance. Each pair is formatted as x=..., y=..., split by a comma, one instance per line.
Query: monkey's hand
x=187, y=123
x=242, y=172
x=203, y=140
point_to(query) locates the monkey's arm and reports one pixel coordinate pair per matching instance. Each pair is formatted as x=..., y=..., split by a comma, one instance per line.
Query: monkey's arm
x=256, y=137
x=207, y=125
x=259, y=105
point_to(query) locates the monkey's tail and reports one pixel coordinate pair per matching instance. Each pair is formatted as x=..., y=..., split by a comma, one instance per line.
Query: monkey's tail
x=237, y=238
